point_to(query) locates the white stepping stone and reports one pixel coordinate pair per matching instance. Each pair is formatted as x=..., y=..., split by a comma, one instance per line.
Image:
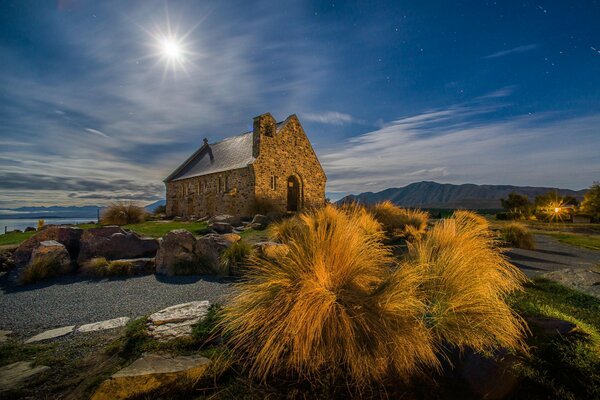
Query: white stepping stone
x=51, y=334
x=104, y=325
x=176, y=321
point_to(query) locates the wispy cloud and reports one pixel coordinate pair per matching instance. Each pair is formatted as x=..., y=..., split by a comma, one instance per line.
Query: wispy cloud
x=514, y=50
x=331, y=118
x=96, y=132
x=526, y=150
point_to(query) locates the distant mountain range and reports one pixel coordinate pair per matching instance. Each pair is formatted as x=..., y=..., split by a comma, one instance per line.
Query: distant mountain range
x=63, y=212
x=443, y=195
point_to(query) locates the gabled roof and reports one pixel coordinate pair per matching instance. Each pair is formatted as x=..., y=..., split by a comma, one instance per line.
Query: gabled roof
x=231, y=153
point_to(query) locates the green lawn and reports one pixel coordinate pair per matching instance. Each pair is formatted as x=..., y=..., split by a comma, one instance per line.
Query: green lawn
x=560, y=366
x=14, y=238
x=160, y=228
x=577, y=239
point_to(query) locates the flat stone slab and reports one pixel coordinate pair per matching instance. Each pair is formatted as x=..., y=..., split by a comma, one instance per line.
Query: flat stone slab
x=51, y=334
x=15, y=374
x=4, y=335
x=176, y=321
x=149, y=373
x=104, y=325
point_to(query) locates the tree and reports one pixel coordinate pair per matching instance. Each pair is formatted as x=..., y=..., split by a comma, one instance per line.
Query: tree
x=517, y=204
x=591, y=201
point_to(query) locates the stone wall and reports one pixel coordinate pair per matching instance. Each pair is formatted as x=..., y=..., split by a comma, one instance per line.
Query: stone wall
x=202, y=196
x=288, y=153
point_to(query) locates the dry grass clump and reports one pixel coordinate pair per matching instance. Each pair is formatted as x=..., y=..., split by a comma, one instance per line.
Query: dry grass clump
x=338, y=303
x=43, y=268
x=102, y=268
x=282, y=231
x=470, y=218
x=465, y=282
x=517, y=235
x=120, y=213
x=407, y=223
x=235, y=257
x=325, y=305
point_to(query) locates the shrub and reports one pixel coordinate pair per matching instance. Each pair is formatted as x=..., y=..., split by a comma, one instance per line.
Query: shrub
x=517, y=235
x=281, y=231
x=120, y=213
x=263, y=205
x=101, y=268
x=337, y=304
x=235, y=256
x=40, y=224
x=407, y=223
x=43, y=268
x=325, y=305
x=160, y=210
x=465, y=280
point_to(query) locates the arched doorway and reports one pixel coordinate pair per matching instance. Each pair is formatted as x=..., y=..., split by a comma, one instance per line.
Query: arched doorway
x=293, y=194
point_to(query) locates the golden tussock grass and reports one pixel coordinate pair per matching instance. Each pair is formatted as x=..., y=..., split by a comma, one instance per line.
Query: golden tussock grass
x=517, y=235
x=407, y=223
x=120, y=213
x=338, y=303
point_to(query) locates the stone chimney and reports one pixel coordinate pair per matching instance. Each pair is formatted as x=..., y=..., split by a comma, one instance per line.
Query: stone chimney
x=264, y=126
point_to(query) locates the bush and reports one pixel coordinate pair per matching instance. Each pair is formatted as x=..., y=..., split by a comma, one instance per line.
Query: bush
x=337, y=304
x=517, y=235
x=122, y=214
x=236, y=256
x=407, y=223
x=43, y=269
x=102, y=268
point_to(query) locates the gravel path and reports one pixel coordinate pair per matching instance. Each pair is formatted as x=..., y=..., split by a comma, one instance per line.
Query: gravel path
x=552, y=255
x=74, y=300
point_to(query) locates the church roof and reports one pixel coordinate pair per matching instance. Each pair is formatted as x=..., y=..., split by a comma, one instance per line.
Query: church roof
x=231, y=153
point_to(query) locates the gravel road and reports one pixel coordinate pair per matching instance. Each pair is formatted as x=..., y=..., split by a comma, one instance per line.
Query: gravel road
x=74, y=300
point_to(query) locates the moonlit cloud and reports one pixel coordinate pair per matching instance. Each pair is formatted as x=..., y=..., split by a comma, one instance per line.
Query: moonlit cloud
x=514, y=50
x=331, y=118
x=96, y=132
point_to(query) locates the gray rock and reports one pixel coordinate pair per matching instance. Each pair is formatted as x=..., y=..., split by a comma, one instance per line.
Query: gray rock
x=228, y=219
x=177, y=248
x=221, y=227
x=211, y=246
x=104, y=325
x=149, y=374
x=51, y=334
x=66, y=235
x=259, y=222
x=176, y=321
x=114, y=243
x=15, y=375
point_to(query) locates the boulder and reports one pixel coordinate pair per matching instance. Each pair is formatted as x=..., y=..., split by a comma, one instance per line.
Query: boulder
x=221, y=227
x=228, y=219
x=210, y=247
x=113, y=243
x=67, y=235
x=490, y=378
x=149, y=374
x=259, y=222
x=176, y=248
x=270, y=249
x=51, y=250
x=139, y=266
x=176, y=321
x=6, y=261
x=549, y=326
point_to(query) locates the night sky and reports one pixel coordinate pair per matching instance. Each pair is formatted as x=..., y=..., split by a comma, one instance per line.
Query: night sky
x=94, y=108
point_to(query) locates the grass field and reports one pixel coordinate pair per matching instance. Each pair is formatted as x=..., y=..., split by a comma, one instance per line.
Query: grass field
x=149, y=228
x=576, y=239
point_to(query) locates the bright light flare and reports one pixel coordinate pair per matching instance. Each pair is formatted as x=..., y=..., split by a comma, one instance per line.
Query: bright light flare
x=171, y=49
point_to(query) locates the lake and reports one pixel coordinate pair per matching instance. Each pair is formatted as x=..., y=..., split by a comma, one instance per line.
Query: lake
x=17, y=223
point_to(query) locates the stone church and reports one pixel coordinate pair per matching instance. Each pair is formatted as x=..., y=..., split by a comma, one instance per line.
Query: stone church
x=272, y=165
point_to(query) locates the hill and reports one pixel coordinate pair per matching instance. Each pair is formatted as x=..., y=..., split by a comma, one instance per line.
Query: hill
x=444, y=195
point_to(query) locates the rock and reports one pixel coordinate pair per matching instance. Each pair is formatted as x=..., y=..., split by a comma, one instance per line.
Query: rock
x=549, y=326
x=176, y=321
x=228, y=219
x=51, y=334
x=104, y=325
x=51, y=250
x=113, y=243
x=489, y=378
x=66, y=235
x=221, y=227
x=4, y=335
x=150, y=373
x=210, y=247
x=260, y=222
x=177, y=248
x=270, y=249
x=30, y=229
x=6, y=261
x=14, y=375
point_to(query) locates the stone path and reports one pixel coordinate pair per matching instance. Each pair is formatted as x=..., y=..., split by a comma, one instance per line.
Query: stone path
x=551, y=255
x=176, y=321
